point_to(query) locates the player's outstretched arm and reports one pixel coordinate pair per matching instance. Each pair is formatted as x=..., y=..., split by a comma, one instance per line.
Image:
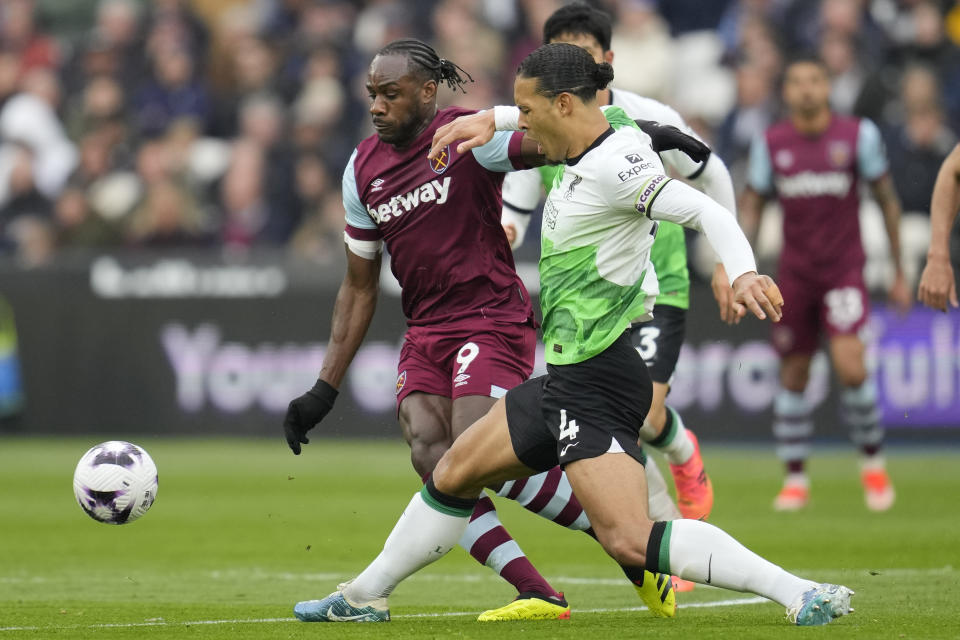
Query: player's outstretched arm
x=682, y=204
x=886, y=196
x=475, y=130
x=937, y=283
x=352, y=313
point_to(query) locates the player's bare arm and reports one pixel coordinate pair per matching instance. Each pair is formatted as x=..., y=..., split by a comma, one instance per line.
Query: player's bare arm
x=937, y=283
x=474, y=130
x=352, y=312
x=886, y=196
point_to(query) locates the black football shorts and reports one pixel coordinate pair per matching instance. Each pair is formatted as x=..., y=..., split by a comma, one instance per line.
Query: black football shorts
x=581, y=410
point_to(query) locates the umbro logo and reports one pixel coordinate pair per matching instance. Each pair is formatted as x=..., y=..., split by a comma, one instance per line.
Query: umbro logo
x=377, y=184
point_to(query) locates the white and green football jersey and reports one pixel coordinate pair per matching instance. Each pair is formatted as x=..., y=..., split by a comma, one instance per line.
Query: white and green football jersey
x=596, y=239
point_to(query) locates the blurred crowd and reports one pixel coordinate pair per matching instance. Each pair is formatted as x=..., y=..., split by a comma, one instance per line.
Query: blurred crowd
x=227, y=123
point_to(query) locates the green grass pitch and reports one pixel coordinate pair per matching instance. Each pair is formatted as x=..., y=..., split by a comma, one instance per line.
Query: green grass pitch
x=242, y=529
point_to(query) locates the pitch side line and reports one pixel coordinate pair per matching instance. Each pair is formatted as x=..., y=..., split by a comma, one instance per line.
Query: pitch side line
x=409, y=616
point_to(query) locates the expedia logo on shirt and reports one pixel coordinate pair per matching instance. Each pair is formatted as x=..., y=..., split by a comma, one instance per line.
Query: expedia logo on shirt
x=434, y=191
x=635, y=171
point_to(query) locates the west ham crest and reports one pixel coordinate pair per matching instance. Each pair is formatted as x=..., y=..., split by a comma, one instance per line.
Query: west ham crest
x=442, y=161
x=838, y=153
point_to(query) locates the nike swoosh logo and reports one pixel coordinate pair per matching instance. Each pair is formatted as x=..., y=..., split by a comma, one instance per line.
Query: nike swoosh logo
x=563, y=451
x=709, y=567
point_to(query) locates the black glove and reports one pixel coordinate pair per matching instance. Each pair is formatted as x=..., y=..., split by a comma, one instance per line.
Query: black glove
x=305, y=412
x=665, y=136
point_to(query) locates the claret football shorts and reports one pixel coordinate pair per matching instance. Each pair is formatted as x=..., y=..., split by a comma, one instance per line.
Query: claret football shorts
x=839, y=306
x=455, y=361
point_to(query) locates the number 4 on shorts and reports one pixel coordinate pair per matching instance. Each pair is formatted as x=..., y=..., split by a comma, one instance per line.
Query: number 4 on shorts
x=567, y=429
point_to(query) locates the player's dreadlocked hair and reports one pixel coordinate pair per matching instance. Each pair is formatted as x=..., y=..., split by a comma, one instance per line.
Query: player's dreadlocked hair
x=429, y=62
x=566, y=68
x=579, y=18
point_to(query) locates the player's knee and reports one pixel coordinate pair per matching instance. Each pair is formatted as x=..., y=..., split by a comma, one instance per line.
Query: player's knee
x=626, y=549
x=852, y=375
x=794, y=377
x=452, y=475
x=426, y=455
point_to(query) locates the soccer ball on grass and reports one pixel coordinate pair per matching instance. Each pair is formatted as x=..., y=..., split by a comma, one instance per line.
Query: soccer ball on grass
x=115, y=482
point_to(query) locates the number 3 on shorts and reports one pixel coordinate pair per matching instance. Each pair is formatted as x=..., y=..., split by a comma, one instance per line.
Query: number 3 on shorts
x=467, y=354
x=648, y=342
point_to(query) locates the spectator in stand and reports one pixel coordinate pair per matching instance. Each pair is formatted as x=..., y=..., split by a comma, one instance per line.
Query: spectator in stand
x=930, y=46
x=754, y=111
x=102, y=102
x=173, y=22
x=78, y=226
x=918, y=146
x=253, y=70
x=30, y=119
x=174, y=92
x=263, y=124
x=19, y=36
x=320, y=235
x=641, y=34
x=245, y=212
x=9, y=76
x=838, y=51
x=168, y=218
x=111, y=47
x=23, y=198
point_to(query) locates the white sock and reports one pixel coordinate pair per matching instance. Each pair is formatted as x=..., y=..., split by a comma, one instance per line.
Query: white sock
x=662, y=506
x=673, y=442
x=706, y=554
x=421, y=536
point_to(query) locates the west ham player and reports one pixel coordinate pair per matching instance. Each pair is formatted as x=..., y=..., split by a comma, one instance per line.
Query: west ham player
x=937, y=283
x=658, y=340
x=813, y=162
x=471, y=334
x=585, y=414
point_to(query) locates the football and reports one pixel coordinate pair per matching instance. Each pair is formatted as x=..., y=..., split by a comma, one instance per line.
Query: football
x=115, y=482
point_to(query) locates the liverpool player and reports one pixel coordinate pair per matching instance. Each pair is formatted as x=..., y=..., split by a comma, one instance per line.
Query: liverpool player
x=471, y=334
x=586, y=413
x=813, y=162
x=657, y=340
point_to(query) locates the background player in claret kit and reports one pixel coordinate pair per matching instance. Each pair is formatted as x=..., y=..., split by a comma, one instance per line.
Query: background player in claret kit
x=813, y=163
x=657, y=340
x=471, y=334
x=938, y=285
x=585, y=414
